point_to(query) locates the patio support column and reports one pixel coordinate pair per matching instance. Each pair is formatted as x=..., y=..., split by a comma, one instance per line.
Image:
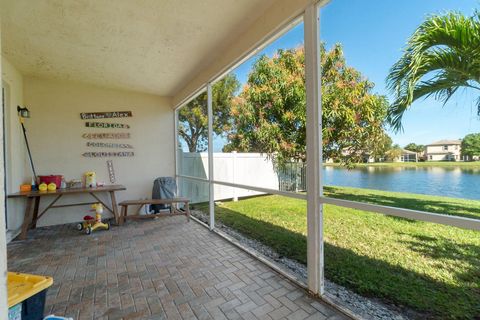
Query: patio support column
x=210, y=156
x=314, y=150
x=175, y=150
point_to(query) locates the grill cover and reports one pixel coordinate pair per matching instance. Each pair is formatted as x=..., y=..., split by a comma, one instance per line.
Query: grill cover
x=163, y=188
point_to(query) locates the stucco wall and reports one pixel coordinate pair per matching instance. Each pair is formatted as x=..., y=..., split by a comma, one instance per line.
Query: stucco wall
x=439, y=149
x=18, y=169
x=55, y=132
x=437, y=157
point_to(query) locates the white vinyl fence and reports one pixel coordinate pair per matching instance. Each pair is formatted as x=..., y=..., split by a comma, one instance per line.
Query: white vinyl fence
x=252, y=169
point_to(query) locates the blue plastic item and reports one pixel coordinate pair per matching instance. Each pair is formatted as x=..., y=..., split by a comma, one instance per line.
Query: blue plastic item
x=15, y=312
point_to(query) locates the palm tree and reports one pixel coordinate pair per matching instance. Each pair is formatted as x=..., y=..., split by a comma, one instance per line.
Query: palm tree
x=442, y=56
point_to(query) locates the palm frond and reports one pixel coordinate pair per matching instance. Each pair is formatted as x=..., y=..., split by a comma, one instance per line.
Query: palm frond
x=444, y=47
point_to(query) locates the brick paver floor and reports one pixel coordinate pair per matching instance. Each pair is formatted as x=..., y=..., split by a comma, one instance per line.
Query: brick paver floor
x=157, y=269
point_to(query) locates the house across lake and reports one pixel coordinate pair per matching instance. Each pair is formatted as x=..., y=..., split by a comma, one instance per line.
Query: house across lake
x=443, y=150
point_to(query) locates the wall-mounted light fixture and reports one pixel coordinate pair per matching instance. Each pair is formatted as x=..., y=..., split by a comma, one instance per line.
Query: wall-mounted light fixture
x=23, y=112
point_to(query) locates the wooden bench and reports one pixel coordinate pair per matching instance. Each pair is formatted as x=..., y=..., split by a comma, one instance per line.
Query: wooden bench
x=174, y=211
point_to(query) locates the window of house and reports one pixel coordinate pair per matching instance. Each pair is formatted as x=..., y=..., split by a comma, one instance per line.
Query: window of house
x=445, y=147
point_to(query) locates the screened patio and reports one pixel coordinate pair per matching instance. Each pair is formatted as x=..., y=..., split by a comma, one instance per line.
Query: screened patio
x=154, y=58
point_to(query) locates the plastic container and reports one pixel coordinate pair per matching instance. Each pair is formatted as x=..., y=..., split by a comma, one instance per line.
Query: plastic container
x=57, y=179
x=29, y=292
x=15, y=312
x=90, y=179
x=74, y=184
x=25, y=188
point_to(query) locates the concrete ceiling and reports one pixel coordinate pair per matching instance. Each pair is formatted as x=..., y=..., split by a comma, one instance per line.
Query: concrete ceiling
x=152, y=46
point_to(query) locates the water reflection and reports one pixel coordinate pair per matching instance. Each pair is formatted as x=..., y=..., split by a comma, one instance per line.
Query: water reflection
x=449, y=181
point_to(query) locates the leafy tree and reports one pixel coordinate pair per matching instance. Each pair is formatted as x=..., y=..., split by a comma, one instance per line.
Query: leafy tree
x=193, y=117
x=471, y=145
x=441, y=57
x=381, y=147
x=415, y=147
x=270, y=112
x=394, y=153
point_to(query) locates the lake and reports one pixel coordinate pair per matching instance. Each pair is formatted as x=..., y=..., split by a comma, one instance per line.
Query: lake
x=438, y=181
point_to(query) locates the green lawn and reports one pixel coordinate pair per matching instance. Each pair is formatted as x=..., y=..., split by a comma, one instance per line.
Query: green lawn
x=459, y=164
x=431, y=268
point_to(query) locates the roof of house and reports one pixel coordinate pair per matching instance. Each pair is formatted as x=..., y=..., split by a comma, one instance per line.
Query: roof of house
x=405, y=151
x=444, y=142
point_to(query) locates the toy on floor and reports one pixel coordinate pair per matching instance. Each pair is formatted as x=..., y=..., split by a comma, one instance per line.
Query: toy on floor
x=90, y=223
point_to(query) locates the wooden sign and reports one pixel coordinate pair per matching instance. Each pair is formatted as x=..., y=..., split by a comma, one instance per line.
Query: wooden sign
x=107, y=154
x=111, y=172
x=120, y=135
x=105, y=115
x=106, y=125
x=109, y=145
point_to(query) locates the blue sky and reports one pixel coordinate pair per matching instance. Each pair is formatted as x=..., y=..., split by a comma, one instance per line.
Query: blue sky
x=373, y=33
